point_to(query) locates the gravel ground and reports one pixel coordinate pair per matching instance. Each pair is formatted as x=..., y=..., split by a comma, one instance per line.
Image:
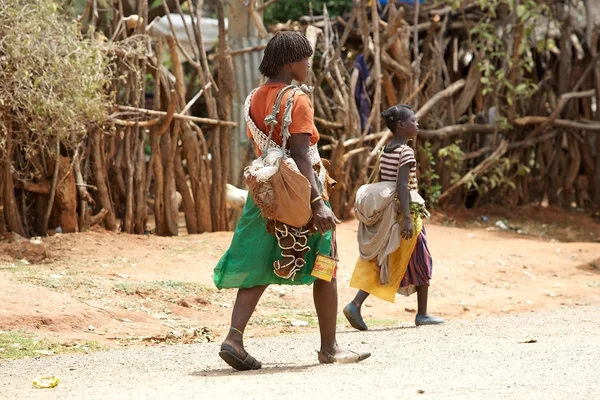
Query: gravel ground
x=484, y=359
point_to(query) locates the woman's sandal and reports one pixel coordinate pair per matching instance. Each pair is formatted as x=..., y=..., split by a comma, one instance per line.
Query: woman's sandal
x=349, y=357
x=230, y=356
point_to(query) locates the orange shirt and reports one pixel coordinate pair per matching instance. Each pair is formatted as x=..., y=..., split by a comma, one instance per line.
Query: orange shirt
x=302, y=112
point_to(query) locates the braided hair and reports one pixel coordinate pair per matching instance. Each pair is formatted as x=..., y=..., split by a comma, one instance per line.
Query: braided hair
x=394, y=114
x=285, y=47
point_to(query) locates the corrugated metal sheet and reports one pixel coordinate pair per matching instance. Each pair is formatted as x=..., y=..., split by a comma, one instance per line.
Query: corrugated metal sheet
x=247, y=77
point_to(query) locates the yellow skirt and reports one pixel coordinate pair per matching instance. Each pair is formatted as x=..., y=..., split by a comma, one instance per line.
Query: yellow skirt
x=366, y=273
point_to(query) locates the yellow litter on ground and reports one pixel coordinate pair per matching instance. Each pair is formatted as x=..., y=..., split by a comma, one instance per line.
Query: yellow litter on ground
x=45, y=382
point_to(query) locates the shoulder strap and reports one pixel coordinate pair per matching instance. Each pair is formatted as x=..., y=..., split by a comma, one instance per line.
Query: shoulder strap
x=271, y=119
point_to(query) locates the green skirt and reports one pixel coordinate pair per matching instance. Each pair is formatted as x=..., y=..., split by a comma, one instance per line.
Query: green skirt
x=249, y=260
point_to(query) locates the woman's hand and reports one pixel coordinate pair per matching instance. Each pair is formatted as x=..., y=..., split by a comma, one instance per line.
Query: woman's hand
x=407, y=228
x=323, y=218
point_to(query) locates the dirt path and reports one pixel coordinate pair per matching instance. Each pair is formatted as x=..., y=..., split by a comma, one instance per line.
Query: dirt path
x=482, y=359
x=139, y=290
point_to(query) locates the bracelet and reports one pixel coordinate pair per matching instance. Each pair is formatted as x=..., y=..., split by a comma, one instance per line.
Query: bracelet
x=313, y=201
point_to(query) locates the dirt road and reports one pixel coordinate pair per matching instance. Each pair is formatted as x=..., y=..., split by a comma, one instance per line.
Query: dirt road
x=133, y=289
x=481, y=359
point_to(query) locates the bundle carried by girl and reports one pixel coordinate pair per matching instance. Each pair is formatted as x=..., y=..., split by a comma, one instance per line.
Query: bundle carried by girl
x=373, y=198
x=278, y=188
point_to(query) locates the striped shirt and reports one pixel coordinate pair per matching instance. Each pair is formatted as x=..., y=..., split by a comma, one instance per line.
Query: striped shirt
x=392, y=161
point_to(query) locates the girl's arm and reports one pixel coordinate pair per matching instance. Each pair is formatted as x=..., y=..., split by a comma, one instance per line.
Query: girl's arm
x=404, y=199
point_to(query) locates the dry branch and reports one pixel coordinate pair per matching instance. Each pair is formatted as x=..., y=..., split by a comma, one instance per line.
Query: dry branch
x=561, y=123
x=328, y=124
x=208, y=121
x=455, y=130
x=475, y=172
x=449, y=91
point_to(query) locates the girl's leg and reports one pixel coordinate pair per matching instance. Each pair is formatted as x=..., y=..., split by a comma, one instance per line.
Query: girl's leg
x=360, y=298
x=352, y=311
x=422, y=317
x=422, y=296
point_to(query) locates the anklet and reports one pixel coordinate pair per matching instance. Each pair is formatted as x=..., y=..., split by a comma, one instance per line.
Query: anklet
x=236, y=330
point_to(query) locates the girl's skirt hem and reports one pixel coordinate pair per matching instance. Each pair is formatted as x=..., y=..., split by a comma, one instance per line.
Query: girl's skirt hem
x=410, y=266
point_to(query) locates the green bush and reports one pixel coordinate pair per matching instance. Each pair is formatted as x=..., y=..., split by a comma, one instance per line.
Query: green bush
x=285, y=10
x=53, y=81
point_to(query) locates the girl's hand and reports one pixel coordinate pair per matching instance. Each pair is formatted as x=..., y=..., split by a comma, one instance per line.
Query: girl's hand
x=407, y=228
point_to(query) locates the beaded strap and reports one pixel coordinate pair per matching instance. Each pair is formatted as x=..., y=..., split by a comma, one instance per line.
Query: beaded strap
x=264, y=142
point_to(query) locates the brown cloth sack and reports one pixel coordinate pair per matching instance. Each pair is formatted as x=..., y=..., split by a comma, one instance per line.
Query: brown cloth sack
x=292, y=196
x=285, y=197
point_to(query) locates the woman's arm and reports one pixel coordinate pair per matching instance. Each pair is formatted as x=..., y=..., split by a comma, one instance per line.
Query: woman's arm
x=323, y=217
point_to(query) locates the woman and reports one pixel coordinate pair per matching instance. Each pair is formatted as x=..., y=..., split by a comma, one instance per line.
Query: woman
x=248, y=264
x=394, y=253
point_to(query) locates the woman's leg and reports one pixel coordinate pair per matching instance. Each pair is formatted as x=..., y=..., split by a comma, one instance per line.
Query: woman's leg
x=326, y=304
x=352, y=311
x=422, y=317
x=244, y=307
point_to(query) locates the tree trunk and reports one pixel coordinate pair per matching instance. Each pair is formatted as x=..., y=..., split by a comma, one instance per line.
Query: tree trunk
x=2, y=219
x=116, y=170
x=169, y=148
x=66, y=197
x=141, y=209
x=222, y=144
x=129, y=199
x=203, y=187
x=196, y=174
x=159, y=184
x=84, y=196
x=189, y=207
x=99, y=166
x=11, y=211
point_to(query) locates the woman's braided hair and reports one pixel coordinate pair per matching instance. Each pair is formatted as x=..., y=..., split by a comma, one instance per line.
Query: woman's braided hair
x=285, y=47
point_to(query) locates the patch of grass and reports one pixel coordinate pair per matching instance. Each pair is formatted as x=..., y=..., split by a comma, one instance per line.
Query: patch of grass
x=181, y=288
x=124, y=287
x=25, y=273
x=285, y=319
x=19, y=344
x=175, y=251
x=381, y=322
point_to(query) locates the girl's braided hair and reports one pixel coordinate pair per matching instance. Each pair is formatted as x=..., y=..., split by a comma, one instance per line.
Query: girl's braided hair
x=285, y=47
x=392, y=115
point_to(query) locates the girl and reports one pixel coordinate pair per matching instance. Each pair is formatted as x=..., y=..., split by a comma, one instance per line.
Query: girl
x=394, y=253
x=249, y=262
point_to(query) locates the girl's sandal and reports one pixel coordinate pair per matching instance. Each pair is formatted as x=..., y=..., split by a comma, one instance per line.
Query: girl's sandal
x=349, y=357
x=352, y=314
